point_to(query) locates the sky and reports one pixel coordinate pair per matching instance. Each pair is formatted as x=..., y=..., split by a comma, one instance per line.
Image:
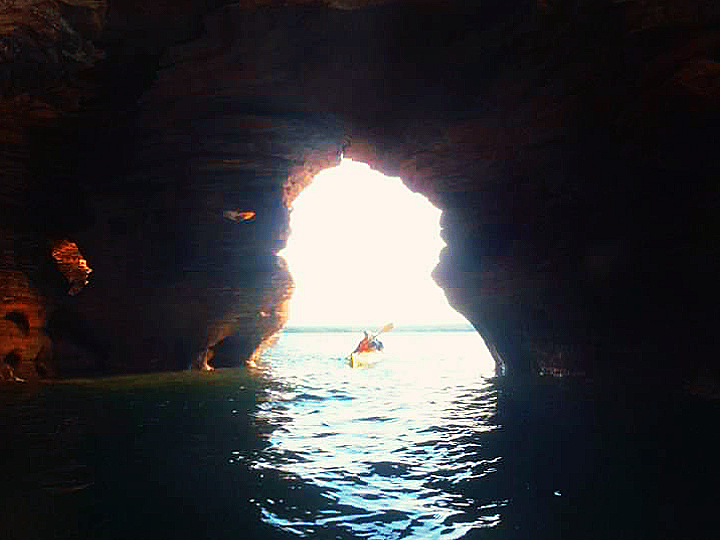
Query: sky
x=361, y=252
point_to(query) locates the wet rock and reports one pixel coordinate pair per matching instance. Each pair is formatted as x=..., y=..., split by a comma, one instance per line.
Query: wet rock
x=24, y=346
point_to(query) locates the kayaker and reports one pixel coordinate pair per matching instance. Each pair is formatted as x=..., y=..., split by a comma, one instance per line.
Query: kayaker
x=368, y=343
x=364, y=344
x=367, y=352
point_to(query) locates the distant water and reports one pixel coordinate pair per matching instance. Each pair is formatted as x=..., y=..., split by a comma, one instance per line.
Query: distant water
x=424, y=445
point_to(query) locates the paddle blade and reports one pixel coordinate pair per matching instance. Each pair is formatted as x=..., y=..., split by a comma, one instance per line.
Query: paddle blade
x=386, y=328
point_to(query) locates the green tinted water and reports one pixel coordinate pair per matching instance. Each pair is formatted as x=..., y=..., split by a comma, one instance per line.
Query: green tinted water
x=423, y=446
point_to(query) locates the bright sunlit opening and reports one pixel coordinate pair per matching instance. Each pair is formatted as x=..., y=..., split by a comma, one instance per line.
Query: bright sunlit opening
x=361, y=253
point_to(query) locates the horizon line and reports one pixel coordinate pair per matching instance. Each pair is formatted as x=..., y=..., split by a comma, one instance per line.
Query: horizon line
x=360, y=327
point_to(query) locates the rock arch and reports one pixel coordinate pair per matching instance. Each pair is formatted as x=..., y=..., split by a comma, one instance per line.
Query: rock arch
x=553, y=139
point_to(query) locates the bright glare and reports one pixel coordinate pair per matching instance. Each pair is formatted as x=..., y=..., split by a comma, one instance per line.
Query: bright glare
x=361, y=252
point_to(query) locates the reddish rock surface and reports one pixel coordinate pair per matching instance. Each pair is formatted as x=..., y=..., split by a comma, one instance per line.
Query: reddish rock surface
x=569, y=144
x=72, y=265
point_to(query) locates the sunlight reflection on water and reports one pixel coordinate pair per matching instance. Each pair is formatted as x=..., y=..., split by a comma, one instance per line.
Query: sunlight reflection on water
x=394, y=450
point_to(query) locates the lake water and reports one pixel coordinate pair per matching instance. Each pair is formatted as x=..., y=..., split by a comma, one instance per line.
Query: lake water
x=424, y=445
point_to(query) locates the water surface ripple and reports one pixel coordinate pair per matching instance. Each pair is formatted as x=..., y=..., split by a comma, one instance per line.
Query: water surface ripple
x=394, y=450
x=423, y=446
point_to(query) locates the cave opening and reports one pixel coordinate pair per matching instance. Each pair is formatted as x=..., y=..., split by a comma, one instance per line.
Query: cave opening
x=361, y=252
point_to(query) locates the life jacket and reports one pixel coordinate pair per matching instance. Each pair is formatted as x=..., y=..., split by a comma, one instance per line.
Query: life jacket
x=369, y=344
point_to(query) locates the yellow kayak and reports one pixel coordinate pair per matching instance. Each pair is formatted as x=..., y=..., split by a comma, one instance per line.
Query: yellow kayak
x=365, y=359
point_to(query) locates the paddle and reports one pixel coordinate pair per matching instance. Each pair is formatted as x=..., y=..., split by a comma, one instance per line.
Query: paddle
x=386, y=328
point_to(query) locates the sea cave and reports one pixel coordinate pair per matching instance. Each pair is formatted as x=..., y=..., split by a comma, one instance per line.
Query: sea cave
x=149, y=159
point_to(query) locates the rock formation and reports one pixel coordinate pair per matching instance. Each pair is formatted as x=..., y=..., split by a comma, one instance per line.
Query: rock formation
x=569, y=144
